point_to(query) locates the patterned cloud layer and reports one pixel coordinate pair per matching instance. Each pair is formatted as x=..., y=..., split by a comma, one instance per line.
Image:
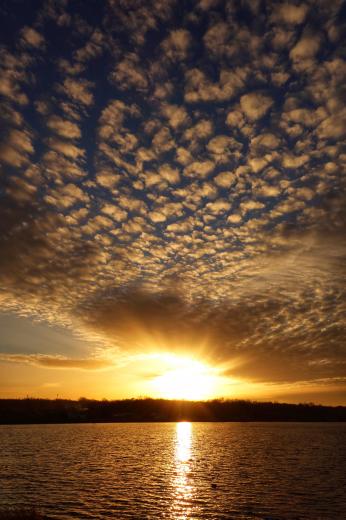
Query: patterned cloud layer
x=173, y=176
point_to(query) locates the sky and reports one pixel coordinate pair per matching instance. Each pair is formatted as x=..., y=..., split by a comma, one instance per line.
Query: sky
x=172, y=199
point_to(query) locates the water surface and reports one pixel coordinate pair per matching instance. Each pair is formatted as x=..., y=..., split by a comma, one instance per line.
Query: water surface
x=176, y=470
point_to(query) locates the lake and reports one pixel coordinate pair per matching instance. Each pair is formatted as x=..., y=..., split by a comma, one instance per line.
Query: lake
x=176, y=470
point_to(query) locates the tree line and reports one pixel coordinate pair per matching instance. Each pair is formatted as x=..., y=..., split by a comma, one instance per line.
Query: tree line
x=32, y=410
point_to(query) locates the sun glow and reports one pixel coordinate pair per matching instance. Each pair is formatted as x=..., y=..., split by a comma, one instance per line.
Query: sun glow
x=187, y=379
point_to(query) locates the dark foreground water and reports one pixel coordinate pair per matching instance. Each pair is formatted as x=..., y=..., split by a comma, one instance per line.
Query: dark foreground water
x=176, y=470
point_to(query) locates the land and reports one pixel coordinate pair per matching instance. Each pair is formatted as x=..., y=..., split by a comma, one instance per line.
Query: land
x=46, y=411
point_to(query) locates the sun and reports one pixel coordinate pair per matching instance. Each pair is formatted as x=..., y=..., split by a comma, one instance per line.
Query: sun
x=187, y=379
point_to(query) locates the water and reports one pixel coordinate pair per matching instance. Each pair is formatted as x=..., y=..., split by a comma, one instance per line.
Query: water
x=176, y=470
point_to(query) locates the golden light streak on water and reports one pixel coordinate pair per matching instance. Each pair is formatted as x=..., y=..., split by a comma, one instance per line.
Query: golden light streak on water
x=183, y=441
x=183, y=490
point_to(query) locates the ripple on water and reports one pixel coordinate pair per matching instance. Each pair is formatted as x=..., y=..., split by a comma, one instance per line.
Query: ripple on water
x=271, y=471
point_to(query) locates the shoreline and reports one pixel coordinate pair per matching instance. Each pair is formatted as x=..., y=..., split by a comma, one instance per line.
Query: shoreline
x=147, y=410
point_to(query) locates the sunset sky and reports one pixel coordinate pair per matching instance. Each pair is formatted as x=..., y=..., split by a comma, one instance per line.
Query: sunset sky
x=172, y=199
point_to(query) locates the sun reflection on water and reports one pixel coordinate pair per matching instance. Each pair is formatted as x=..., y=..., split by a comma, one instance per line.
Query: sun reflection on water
x=183, y=442
x=183, y=489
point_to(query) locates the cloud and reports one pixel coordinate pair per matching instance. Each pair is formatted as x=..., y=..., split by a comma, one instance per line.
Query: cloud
x=176, y=116
x=291, y=161
x=169, y=174
x=66, y=196
x=141, y=321
x=234, y=218
x=78, y=90
x=199, y=88
x=176, y=45
x=107, y=178
x=199, y=131
x=68, y=149
x=265, y=141
x=290, y=13
x=333, y=127
x=115, y=212
x=221, y=147
x=180, y=184
x=307, y=47
x=135, y=19
x=128, y=74
x=163, y=141
x=216, y=37
x=255, y=105
x=157, y=216
x=61, y=167
x=251, y=205
x=64, y=128
x=218, y=206
x=205, y=5
x=225, y=179
x=16, y=148
x=92, y=48
x=14, y=75
x=32, y=38
x=235, y=118
x=56, y=361
x=199, y=169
